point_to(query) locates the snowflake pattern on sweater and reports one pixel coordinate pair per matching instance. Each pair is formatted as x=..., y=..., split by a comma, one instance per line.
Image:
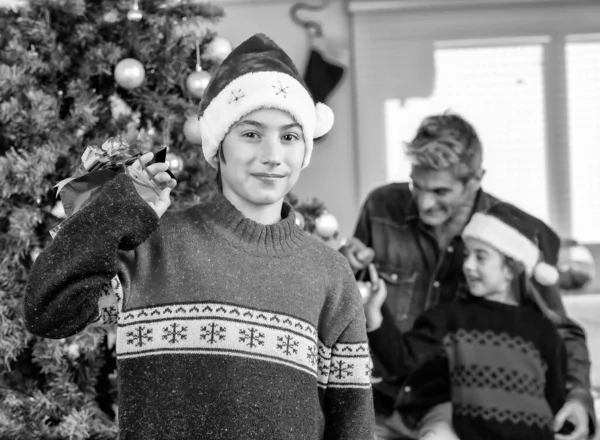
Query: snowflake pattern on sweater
x=226, y=329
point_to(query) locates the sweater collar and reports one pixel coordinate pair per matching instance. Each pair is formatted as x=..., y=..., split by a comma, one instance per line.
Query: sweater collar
x=276, y=240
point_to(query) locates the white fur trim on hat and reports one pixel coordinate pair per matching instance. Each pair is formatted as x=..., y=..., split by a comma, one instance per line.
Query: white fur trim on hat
x=504, y=238
x=260, y=90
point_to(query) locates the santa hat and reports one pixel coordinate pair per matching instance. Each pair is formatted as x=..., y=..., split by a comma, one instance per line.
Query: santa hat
x=511, y=232
x=258, y=74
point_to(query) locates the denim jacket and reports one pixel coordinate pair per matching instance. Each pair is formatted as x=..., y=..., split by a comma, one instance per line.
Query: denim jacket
x=419, y=275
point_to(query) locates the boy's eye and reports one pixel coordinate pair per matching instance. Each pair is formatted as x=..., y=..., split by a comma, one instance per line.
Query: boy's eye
x=289, y=137
x=250, y=134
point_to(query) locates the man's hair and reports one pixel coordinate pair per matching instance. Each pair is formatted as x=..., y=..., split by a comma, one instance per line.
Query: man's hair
x=446, y=142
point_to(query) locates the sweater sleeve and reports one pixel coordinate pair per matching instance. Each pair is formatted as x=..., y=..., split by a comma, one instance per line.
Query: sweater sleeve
x=402, y=353
x=70, y=276
x=344, y=369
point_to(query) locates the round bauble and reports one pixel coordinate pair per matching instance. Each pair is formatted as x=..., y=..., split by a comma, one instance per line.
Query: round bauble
x=129, y=73
x=218, y=49
x=175, y=162
x=196, y=83
x=134, y=15
x=326, y=225
x=191, y=130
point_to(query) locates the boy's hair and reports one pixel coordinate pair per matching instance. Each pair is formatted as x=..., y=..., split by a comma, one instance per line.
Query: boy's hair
x=524, y=290
x=446, y=142
x=219, y=158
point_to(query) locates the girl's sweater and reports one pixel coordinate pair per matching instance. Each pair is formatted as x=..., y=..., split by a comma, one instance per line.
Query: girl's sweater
x=506, y=365
x=226, y=328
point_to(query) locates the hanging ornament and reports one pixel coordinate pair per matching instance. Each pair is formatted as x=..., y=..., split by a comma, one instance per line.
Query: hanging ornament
x=218, y=49
x=129, y=73
x=134, y=13
x=191, y=130
x=326, y=225
x=299, y=220
x=111, y=16
x=197, y=81
x=175, y=162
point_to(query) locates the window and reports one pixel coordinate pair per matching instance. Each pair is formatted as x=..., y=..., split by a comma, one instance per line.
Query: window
x=498, y=86
x=583, y=85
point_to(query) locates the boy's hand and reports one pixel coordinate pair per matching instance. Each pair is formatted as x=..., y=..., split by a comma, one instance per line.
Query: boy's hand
x=160, y=203
x=373, y=299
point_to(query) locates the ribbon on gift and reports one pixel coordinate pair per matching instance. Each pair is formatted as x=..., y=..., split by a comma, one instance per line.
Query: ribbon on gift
x=99, y=166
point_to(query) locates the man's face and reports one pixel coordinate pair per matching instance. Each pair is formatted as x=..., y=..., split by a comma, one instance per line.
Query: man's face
x=438, y=194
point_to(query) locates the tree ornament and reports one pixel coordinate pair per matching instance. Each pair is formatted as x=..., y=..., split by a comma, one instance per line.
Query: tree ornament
x=299, y=220
x=218, y=49
x=326, y=225
x=129, y=73
x=175, y=162
x=111, y=16
x=134, y=13
x=197, y=81
x=191, y=130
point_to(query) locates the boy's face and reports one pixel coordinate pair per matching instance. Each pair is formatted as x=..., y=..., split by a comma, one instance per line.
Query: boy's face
x=439, y=194
x=263, y=154
x=486, y=271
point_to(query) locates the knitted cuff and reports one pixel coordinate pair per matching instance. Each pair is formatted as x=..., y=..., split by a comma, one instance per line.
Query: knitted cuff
x=131, y=218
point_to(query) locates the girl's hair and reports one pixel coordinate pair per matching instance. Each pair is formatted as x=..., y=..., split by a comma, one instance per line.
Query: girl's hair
x=524, y=290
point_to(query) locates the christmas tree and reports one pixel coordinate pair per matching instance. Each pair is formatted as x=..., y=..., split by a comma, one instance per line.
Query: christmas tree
x=74, y=73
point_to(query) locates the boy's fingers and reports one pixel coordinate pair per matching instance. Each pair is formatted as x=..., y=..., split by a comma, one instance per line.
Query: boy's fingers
x=145, y=158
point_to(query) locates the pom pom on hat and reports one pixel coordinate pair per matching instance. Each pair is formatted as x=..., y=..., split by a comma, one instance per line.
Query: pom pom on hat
x=256, y=75
x=545, y=274
x=511, y=232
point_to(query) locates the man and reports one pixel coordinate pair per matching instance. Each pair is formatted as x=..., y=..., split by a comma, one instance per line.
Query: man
x=411, y=233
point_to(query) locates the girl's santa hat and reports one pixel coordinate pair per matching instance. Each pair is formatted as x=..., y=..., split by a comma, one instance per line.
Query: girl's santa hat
x=512, y=233
x=258, y=74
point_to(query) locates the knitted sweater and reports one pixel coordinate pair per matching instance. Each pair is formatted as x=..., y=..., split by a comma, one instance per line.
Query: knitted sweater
x=227, y=328
x=506, y=365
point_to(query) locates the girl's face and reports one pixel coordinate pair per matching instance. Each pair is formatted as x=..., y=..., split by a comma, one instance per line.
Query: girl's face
x=486, y=271
x=263, y=154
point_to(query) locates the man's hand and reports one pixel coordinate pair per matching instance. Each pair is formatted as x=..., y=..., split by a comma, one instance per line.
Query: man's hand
x=160, y=203
x=357, y=253
x=574, y=412
x=374, y=299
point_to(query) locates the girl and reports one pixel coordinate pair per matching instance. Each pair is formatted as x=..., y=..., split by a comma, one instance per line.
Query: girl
x=499, y=347
x=232, y=322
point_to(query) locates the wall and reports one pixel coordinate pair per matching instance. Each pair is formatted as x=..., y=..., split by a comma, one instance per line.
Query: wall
x=331, y=173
